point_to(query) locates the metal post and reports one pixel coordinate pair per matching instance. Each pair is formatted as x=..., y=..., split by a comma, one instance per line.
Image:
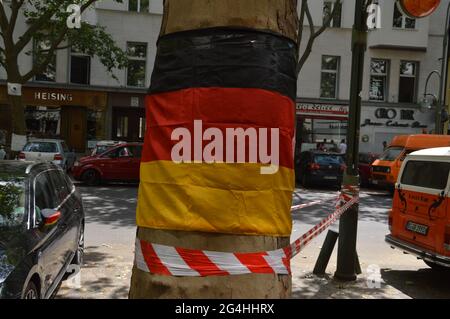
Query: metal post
x=348, y=224
x=325, y=253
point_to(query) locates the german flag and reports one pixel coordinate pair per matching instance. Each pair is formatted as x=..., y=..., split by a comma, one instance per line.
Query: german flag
x=223, y=79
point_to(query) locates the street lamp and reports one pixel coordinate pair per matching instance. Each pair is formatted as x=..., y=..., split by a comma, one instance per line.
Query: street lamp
x=430, y=100
x=444, y=63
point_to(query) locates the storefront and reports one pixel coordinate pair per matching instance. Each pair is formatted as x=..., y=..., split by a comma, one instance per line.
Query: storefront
x=319, y=123
x=77, y=116
x=127, y=116
x=380, y=123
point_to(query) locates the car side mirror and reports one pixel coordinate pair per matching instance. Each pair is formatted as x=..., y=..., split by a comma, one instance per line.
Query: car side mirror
x=50, y=216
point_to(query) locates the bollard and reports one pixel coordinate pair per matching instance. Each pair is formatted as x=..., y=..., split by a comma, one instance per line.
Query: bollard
x=325, y=253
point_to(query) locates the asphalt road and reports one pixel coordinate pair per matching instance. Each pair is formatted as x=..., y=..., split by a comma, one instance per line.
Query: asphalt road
x=110, y=235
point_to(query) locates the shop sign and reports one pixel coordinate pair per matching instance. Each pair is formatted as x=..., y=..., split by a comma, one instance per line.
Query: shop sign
x=390, y=117
x=321, y=109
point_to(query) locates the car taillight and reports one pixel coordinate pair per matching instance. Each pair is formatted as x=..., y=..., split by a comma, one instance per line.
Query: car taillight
x=21, y=155
x=58, y=157
x=390, y=219
x=447, y=238
x=314, y=166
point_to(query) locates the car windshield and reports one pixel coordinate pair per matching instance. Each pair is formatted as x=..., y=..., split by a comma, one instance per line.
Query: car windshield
x=328, y=159
x=12, y=200
x=41, y=147
x=391, y=154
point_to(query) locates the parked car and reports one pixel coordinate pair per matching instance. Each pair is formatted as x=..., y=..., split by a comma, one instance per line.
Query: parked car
x=419, y=221
x=120, y=163
x=365, y=168
x=41, y=229
x=49, y=150
x=317, y=167
x=103, y=146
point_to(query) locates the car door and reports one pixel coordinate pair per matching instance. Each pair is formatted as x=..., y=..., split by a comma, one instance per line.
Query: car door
x=135, y=166
x=51, y=248
x=69, y=220
x=116, y=164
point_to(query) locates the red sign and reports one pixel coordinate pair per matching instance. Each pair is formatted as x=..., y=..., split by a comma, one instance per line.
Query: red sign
x=418, y=8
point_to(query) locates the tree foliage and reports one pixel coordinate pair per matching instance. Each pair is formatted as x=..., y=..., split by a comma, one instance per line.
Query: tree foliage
x=47, y=25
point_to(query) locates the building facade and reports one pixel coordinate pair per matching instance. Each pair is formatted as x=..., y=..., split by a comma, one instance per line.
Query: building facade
x=400, y=56
x=78, y=100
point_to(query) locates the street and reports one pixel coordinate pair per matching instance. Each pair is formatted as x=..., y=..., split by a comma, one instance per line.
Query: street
x=110, y=234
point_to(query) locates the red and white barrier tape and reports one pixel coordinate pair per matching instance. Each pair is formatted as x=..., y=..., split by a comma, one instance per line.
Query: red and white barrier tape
x=171, y=261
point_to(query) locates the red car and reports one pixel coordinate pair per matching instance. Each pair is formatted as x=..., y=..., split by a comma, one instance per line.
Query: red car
x=364, y=166
x=118, y=164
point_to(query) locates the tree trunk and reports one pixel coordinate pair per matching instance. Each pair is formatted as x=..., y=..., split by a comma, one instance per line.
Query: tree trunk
x=17, y=115
x=204, y=208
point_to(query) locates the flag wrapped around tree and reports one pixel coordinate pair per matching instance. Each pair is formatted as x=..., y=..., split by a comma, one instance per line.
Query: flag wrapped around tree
x=221, y=65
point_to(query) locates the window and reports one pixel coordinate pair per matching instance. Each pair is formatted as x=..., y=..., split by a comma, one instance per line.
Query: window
x=122, y=126
x=329, y=77
x=39, y=55
x=80, y=68
x=408, y=84
x=401, y=21
x=391, y=154
x=378, y=79
x=426, y=174
x=138, y=5
x=41, y=147
x=142, y=127
x=328, y=8
x=137, y=55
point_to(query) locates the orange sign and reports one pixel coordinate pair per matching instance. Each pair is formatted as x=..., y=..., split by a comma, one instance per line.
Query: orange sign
x=418, y=8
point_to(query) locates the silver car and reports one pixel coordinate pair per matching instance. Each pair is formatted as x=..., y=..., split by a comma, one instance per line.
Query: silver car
x=49, y=150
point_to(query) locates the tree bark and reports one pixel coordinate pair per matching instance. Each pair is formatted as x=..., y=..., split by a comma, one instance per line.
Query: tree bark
x=274, y=17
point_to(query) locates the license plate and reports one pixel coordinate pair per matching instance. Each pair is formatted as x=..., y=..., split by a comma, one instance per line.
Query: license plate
x=330, y=177
x=417, y=228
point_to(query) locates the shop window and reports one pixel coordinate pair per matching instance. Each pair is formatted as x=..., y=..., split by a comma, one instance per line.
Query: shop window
x=328, y=7
x=329, y=77
x=378, y=79
x=142, y=127
x=400, y=21
x=137, y=56
x=42, y=121
x=39, y=56
x=138, y=5
x=408, y=82
x=80, y=68
x=122, y=126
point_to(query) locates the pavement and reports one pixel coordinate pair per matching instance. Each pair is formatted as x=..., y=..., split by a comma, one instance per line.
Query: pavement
x=387, y=273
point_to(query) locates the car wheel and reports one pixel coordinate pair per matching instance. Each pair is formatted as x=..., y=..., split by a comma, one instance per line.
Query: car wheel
x=31, y=292
x=91, y=177
x=436, y=267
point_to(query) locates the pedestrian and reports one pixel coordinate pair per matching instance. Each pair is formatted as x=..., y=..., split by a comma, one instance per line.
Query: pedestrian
x=343, y=147
x=385, y=145
x=2, y=153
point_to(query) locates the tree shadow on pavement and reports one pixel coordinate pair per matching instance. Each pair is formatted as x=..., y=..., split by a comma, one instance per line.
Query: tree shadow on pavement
x=314, y=287
x=114, y=205
x=424, y=283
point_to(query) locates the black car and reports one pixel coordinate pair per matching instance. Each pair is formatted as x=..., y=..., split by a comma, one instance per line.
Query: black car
x=41, y=229
x=319, y=168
